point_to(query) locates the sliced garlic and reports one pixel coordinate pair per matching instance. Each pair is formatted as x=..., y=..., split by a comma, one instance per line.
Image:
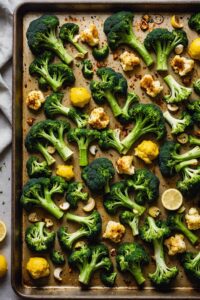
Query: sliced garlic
x=179, y=49
x=51, y=149
x=48, y=222
x=172, y=107
x=79, y=244
x=80, y=55
x=183, y=138
x=76, y=38
x=93, y=149
x=154, y=211
x=181, y=210
x=90, y=205
x=64, y=206
x=33, y=218
x=57, y=274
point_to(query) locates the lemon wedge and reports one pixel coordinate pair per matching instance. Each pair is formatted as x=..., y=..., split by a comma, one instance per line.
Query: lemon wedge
x=172, y=199
x=3, y=266
x=3, y=231
x=175, y=22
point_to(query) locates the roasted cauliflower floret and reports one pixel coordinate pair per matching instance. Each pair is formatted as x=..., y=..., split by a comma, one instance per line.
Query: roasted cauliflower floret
x=65, y=171
x=90, y=36
x=114, y=231
x=147, y=151
x=193, y=219
x=175, y=244
x=151, y=86
x=98, y=118
x=35, y=99
x=182, y=65
x=129, y=61
x=38, y=267
x=124, y=165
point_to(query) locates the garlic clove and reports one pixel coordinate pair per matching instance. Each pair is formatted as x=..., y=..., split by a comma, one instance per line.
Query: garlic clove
x=179, y=49
x=48, y=222
x=93, y=149
x=172, y=107
x=57, y=274
x=79, y=244
x=33, y=218
x=64, y=206
x=51, y=149
x=90, y=205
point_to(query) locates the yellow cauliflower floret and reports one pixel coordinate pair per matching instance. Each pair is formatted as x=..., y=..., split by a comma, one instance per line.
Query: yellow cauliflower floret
x=193, y=219
x=65, y=171
x=151, y=86
x=38, y=267
x=147, y=151
x=114, y=231
x=90, y=36
x=35, y=99
x=98, y=118
x=129, y=61
x=124, y=165
x=79, y=96
x=182, y=65
x=175, y=244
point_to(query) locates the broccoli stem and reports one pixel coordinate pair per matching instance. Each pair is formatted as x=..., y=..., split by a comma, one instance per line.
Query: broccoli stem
x=132, y=137
x=134, y=226
x=61, y=52
x=50, y=160
x=190, y=235
x=140, y=48
x=189, y=155
x=83, y=157
x=80, y=48
x=159, y=254
x=85, y=274
x=48, y=204
x=44, y=72
x=186, y=163
x=162, y=55
x=113, y=104
x=137, y=274
x=194, y=140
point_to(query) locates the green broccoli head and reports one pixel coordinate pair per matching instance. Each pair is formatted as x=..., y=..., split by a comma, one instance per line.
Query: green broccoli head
x=178, y=92
x=194, y=109
x=83, y=138
x=100, y=53
x=38, y=238
x=111, y=84
x=41, y=34
x=162, y=41
x=119, y=30
x=57, y=257
x=146, y=186
x=178, y=125
x=189, y=185
x=191, y=264
x=87, y=69
x=62, y=75
x=110, y=138
x=175, y=222
x=98, y=174
x=194, y=22
x=68, y=31
x=152, y=230
x=53, y=106
x=131, y=257
x=108, y=278
x=52, y=132
x=148, y=118
x=196, y=86
x=131, y=219
x=75, y=194
x=118, y=197
x=67, y=239
x=89, y=259
x=35, y=168
x=171, y=162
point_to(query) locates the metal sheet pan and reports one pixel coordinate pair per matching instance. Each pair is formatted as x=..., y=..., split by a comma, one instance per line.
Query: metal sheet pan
x=82, y=13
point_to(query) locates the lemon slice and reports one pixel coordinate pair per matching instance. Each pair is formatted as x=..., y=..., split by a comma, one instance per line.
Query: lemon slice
x=2, y=231
x=175, y=22
x=3, y=266
x=172, y=199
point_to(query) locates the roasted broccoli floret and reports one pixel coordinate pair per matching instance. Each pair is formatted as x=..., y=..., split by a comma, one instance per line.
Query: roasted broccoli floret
x=189, y=185
x=89, y=259
x=119, y=30
x=178, y=92
x=100, y=53
x=108, y=278
x=175, y=222
x=148, y=118
x=145, y=185
x=111, y=83
x=194, y=22
x=178, y=125
x=35, y=168
x=87, y=69
x=39, y=191
x=194, y=109
x=193, y=140
x=191, y=264
x=171, y=162
x=163, y=41
x=49, y=131
x=131, y=99
x=53, y=106
x=98, y=174
x=110, y=138
x=83, y=138
x=57, y=258
x=41, y=34
x=119, y=198
x=131, y=257
x=154, y=231
x=75, y=194
x=131, y=219
x=68, y=31
x=196, y=86
x=38, y=238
